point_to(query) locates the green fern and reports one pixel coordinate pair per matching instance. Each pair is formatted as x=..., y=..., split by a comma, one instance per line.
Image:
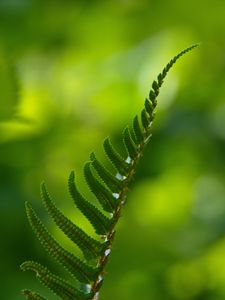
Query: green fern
x=111, y=192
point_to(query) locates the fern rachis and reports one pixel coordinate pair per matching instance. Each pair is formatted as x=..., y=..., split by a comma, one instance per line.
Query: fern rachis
x=111, y=192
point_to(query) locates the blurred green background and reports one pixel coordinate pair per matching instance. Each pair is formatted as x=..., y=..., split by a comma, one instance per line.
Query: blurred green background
x=73, y=72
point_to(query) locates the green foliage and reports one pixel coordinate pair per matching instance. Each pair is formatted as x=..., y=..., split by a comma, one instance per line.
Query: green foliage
x=117, y=160
x=59, y=286
x=111, y=192
x=90, y=247
x=100, y=222
x=32, y=295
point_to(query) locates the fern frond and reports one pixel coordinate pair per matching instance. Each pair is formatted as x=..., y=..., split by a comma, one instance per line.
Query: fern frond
x=149, y=109
x=139, y=134
x=58, y=285
x=155, y=87
x=75, y=266
x=32, y=295
x=119, y=163
x=145, y=119
x=111, y=192
x=113, y=183
x=129, y=143
x=100, y=222
x=104, y=196
x=90, y=247
x=152, y=97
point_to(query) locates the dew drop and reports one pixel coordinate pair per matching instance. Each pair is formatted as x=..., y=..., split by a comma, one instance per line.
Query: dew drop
x=128, y=160
x=120, y=177
x=116, y=195
x=107, y=252
x=87, y=288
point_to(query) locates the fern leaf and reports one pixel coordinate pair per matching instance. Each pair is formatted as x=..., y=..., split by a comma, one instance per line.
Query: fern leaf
x=113, y=183
x=101, y=223
x=129, y=144
x=32, y=295
x=152, y=97
x=120, y=164
x=160, y=79
x=139, y=135
x=90, y=247
x=145, y=119
x=155, y=87
x=163, y=74
x=58, y=285
x=75, y=266
x=149, y=109
x=157, y=84
x=104, y=196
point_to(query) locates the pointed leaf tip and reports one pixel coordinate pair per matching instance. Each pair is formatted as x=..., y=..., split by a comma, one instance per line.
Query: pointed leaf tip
x=92, y=156
x=102, y=193
x=43, y=185
x=72, y=175
x=28, y=206
x=90, y=247
x=100, y=222
x=117, y=160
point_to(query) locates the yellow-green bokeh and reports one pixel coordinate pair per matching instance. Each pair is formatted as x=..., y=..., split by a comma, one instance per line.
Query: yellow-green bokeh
x=74, y=72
